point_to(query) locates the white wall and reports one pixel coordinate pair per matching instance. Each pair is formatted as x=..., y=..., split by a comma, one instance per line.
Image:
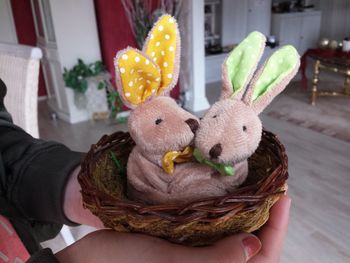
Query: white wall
x=7, y=26
x=335, y=22
x=76, y=31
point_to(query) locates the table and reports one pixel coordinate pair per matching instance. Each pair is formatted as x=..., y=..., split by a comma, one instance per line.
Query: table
x=328, y=60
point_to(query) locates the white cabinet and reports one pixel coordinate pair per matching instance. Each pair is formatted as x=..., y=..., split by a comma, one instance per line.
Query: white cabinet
x=259, y=16
x=234, y=17
x=239, y=18
x=301, y=30
x=310, y=31
x=212, y=25
x=287, y=29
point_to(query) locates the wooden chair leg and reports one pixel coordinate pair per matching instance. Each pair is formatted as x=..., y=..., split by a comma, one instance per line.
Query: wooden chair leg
x=347, y=83
x=315, y=81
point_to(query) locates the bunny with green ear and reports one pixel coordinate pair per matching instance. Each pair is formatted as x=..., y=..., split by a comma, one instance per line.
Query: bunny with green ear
x=245, y=93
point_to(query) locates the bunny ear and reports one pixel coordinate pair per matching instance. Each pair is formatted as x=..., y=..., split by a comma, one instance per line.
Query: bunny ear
x=163, y=46
x=240, y=64
x=272, y=78
x=137, y=76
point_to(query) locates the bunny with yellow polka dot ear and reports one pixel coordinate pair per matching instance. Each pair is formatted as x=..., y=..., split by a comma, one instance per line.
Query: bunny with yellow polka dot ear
x=161, y=167
x=245, y=93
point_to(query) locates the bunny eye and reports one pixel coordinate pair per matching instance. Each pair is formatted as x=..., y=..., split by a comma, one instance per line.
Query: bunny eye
x=215, y=116
x=158, y=121
x=244, y=128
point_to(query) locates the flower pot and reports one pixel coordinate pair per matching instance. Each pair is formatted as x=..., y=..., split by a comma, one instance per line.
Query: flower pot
x=96, y=99
x=79, y=100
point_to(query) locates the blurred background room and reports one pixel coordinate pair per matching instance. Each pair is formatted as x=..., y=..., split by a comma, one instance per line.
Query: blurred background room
x=56, y=58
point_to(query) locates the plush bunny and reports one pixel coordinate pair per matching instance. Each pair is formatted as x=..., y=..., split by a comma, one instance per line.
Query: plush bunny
x=161, y=168
x=245, y=93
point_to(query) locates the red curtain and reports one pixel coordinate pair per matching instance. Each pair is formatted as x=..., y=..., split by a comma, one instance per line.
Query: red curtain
x=25, y=29
x=114, y=30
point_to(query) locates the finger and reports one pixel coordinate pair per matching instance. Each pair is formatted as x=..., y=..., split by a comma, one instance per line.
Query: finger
x=273, y=233
x=238, y=248
x=89, y=219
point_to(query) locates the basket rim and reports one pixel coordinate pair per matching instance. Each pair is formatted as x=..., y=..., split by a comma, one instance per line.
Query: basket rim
x=240, y=200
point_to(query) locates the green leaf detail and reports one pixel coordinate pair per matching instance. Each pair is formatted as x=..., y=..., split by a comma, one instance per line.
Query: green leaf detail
x=115, y=104
x=101, y=85
x=75, y=78
x=223, y=169
x=120, y=167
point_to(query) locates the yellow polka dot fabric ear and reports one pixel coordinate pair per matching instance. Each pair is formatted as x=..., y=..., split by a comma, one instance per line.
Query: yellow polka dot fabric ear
x=138, y=77
x=155, y=70
x=162, y=45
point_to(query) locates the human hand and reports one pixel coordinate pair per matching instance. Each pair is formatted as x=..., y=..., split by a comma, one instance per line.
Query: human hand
x=73, y=204
x=273, y=232
x=107, y=245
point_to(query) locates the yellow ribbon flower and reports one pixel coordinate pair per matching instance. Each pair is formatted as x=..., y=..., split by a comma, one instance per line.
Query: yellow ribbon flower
x=176, y=157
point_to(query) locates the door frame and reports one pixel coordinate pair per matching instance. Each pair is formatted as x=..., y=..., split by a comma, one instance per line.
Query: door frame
x=50, y=61
x=10, y=22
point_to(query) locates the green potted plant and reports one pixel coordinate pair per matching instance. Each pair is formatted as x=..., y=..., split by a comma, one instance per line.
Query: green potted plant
x=115, y=104
x=83, y=75
x=76, y=79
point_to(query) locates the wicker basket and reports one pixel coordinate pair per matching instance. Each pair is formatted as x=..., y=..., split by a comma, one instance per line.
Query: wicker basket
x=198, y=223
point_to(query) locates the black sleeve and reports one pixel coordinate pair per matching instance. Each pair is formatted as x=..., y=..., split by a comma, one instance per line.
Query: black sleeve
x=43, y=256
x=4, y=115
x=33, y=172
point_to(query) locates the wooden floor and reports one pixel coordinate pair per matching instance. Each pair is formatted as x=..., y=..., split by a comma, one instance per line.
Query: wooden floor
x=319, y=184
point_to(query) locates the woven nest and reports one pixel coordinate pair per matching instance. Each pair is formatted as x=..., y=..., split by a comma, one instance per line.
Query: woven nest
x=103, y=182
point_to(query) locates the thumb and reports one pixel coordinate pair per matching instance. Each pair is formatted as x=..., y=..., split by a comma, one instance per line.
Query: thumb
x=238, y=248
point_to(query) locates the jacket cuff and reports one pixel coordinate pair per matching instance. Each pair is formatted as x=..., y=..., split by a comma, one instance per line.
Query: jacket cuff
x=42, y=186
x=43, y=256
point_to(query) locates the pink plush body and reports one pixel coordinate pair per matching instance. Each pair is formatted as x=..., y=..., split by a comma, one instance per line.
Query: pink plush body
x=190, y=181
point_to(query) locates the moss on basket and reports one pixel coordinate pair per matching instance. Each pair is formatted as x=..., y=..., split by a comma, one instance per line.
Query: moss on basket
x=107, y=178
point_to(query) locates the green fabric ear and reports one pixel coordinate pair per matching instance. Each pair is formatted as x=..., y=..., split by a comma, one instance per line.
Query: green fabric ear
x=278, y=66
x=243, y=60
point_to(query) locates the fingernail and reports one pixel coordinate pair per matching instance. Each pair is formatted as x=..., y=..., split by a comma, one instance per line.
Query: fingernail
x=251, y=246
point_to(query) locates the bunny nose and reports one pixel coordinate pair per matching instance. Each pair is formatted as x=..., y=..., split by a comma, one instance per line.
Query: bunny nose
x=194, y=125
x=215, y=151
